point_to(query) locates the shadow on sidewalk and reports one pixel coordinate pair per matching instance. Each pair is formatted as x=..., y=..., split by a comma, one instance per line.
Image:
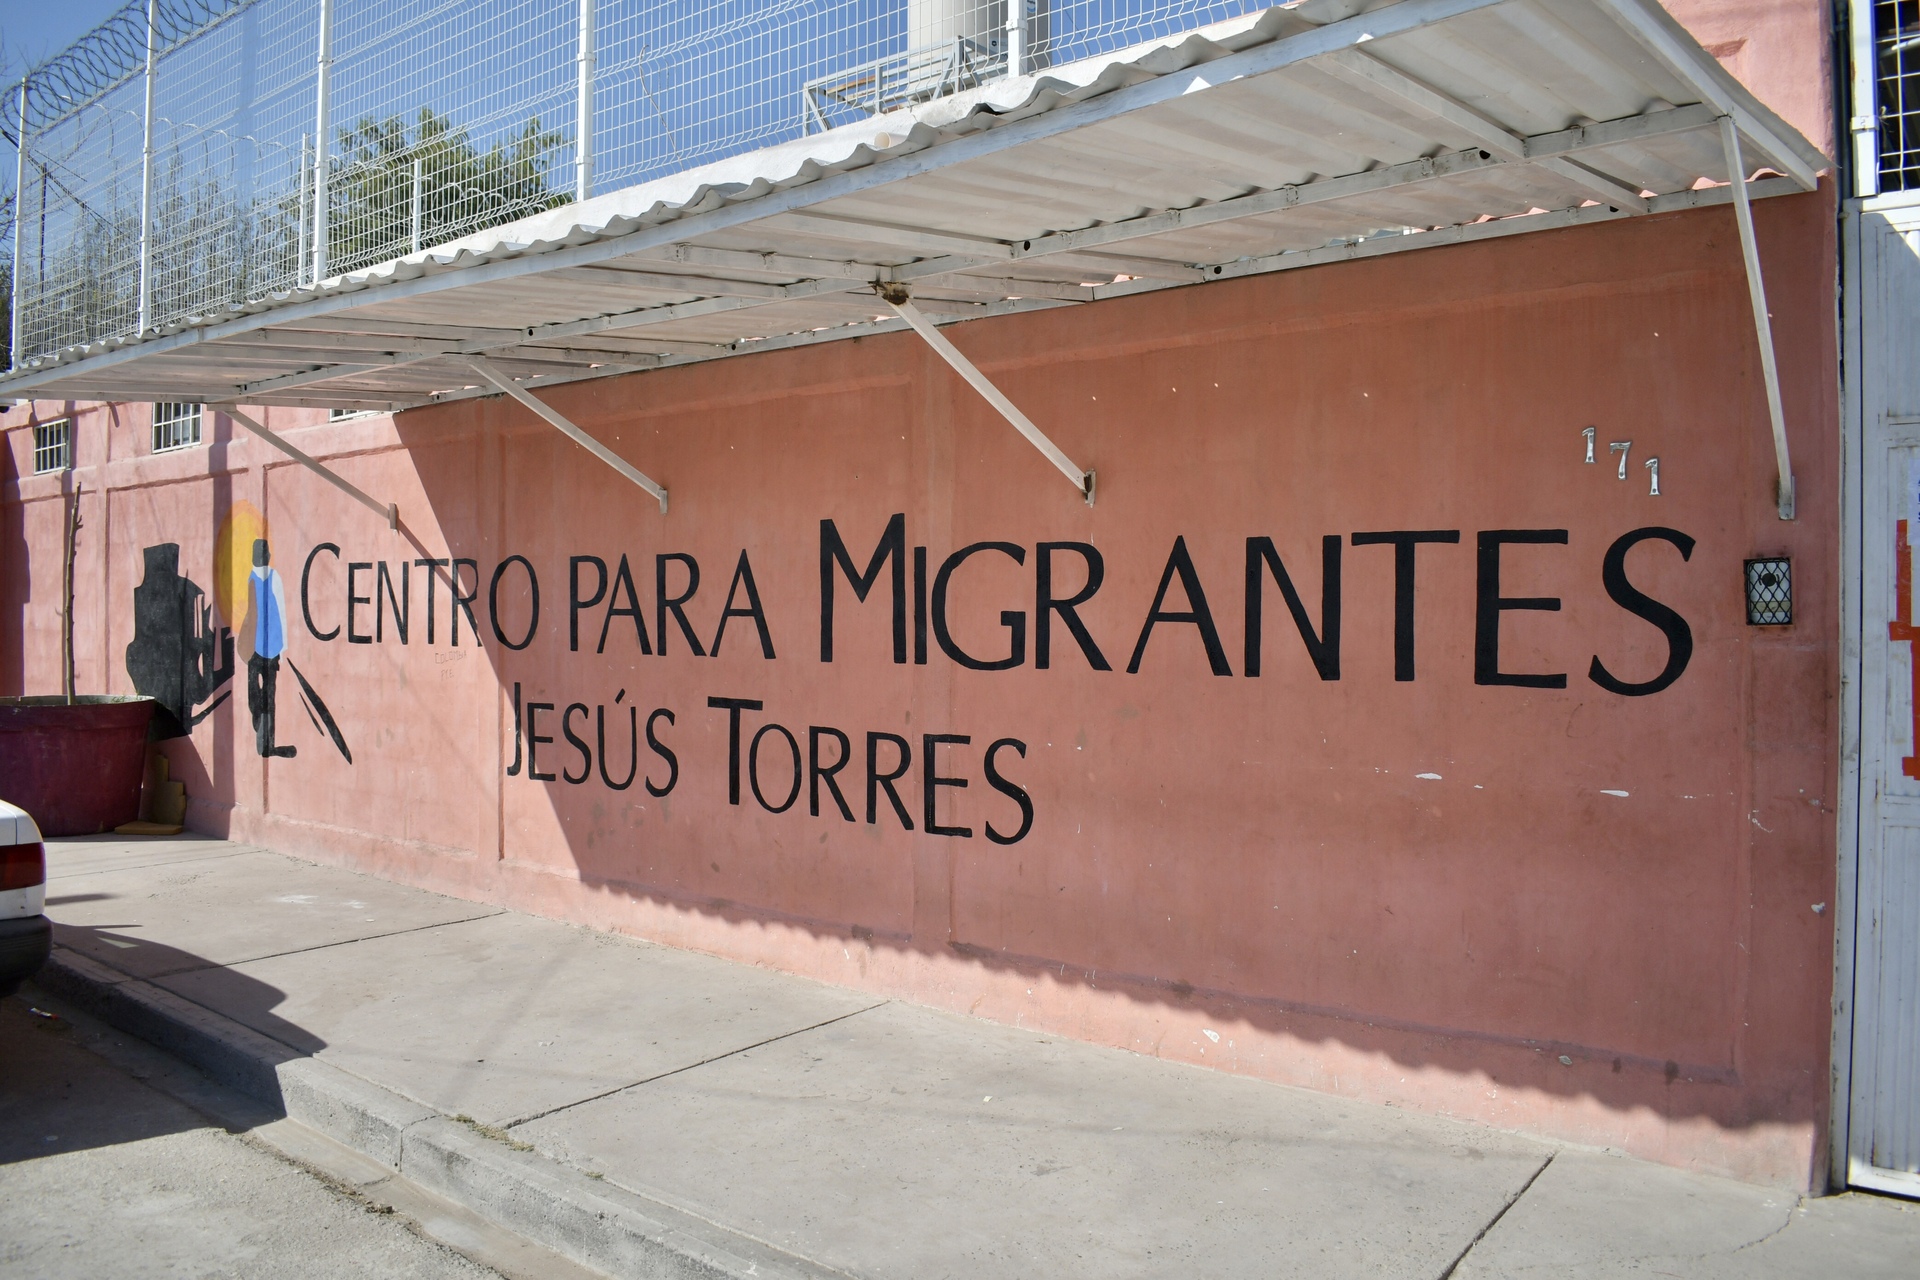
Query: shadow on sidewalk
x=237, y=997
x=233, y=1040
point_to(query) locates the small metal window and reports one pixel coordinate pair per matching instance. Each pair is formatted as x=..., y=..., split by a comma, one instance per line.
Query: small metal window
x=176, y=425
x=53, y=446
x=1896, y=38
x=1770, y=592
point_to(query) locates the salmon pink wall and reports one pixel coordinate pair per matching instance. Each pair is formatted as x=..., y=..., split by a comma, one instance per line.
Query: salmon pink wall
x=1780, y=49
x=1543, y=903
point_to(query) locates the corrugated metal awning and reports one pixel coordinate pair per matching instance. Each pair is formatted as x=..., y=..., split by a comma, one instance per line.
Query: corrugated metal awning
x=1306, y=134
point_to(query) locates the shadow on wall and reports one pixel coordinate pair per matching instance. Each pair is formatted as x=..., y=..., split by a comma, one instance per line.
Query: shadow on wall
x=664, y=859
x=207, y=636
x=1211, y=881
x=31, y=589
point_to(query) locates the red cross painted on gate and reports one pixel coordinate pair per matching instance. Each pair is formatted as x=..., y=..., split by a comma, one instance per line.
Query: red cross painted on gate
x=1902, y=628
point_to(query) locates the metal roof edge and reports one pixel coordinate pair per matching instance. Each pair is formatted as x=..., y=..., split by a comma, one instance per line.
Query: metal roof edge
x=753, y=174
x=1698, y=65
x=1500, y=228
x=817, y=168
x=745, y=178
x=613, y=238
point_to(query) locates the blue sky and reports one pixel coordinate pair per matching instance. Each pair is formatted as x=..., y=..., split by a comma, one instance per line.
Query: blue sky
x=37, y=29
x=34, y=30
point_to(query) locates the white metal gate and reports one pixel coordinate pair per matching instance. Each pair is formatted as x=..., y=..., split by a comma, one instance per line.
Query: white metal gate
x=1880, y=917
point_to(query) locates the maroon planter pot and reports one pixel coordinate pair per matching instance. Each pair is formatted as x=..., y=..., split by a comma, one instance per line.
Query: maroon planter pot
x=75, y=767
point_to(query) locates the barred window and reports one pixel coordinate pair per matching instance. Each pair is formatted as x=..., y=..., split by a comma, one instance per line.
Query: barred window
x=176, y=425
x=1896, y=38
x=53, y=446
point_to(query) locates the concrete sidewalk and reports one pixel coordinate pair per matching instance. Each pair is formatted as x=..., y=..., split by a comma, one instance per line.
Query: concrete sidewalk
x=654, y=1112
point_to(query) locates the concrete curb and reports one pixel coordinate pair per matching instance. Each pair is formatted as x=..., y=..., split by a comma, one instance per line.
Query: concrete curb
x=588, y=1220
x=223, y=1050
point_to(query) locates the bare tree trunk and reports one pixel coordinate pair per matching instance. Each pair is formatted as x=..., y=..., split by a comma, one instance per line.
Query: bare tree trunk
x=66, y=596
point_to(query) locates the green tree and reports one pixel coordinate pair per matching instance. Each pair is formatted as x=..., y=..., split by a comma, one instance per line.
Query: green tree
x=463, y=189
x=214, y=249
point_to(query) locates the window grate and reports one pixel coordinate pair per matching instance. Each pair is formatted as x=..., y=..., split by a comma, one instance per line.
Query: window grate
x=53, y=446
x=1896, y=39
x=176, y=425
x=1770, y=592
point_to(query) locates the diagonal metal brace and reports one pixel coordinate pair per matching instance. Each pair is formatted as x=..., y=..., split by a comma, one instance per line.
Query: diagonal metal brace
x=1762, y=323
x=485, y=369
x=390, y=512
x=897, y=298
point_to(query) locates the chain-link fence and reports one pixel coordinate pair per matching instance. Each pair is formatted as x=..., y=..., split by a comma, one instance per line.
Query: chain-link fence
x=262, y=141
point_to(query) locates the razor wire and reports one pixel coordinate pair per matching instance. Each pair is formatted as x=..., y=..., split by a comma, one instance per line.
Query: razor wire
x=107, y=56
x=444, y=118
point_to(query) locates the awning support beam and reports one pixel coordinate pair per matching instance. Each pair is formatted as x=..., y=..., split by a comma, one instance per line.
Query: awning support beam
x=388, y=511
x=897, y=298
x=1658, y=33
x=486, y=369
x=1359, y=67
x=1762, y=323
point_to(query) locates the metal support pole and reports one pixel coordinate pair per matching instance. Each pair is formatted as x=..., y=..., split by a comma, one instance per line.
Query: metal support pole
x=896, y=297
x=323, y=76
x=583, y=128
x=486, y=370
x=416, y=204
x=1864, y=125
x=1016, y=37
x=390, y=512
x=19, y=219
x=1762, y=322
x=306, y=194
x=146, y=187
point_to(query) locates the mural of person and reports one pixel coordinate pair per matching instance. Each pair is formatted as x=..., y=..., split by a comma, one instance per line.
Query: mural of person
x=251, y=591
x=267, y=600
x=178, y=657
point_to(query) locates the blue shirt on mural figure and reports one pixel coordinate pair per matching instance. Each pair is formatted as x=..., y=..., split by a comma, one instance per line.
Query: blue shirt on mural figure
x=269, y=599
x=269, y=611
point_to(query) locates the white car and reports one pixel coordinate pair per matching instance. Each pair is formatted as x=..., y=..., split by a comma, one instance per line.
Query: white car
x=26, y=936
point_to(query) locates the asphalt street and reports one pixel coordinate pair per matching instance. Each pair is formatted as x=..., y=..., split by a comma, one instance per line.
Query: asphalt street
x=102, y=1174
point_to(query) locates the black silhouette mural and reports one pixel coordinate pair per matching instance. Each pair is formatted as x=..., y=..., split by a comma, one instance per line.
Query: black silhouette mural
x=178, y=656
